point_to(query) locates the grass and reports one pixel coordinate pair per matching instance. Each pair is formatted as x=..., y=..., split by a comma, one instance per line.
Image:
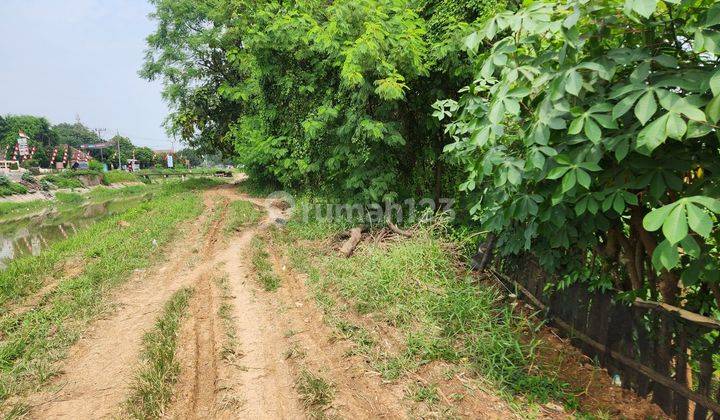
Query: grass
x=114, y=177
x=10, y=210
x=99, y=194
x=8, y=187
x=153, y=385
x=260, y=259
x=33, y=340
x=63, y=180
x=231, y=346
x=424, y=393
x=441, y=313
x=241, y=213
x=315, y=392
x=69, y=198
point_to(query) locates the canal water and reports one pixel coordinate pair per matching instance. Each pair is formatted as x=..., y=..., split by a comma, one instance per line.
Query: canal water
x=29, y=236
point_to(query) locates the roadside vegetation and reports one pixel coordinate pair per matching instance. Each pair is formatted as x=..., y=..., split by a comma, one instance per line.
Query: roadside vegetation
x=578, y=135
x=70, y=201
x=241, y=213
x=152, y=388
x=440, y=311
x=114, y=177
x=262, y=265
x=11, y=209
x=315, y=392
x=110, y=250
x=8, y=187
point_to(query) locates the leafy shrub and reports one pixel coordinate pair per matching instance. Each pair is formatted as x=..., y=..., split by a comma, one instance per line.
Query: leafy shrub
x=8, y=187
x=96, y=165
x=62, y=180
x=590, y=129
x=28, y=177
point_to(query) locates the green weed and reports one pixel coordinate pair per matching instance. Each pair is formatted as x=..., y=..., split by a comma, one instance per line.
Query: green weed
x=69, y=198
x=231, y=345
x=444, y=314
x=260, y=259
x=241, y=213
x=113, y=177
x=9, y=210
x=35, y=339
x=315, y=392
x=424, y=393
x=153, y=386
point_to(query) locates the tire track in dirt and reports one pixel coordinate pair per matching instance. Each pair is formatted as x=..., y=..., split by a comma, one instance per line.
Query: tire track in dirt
x=197, y=353
x=260, y=383
x=100, y=366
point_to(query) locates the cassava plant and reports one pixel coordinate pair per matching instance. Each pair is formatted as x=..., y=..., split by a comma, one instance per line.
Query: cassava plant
x=592, y=125
x=590, y=131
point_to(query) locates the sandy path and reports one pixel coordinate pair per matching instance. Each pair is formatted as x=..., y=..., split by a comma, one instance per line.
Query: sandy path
x=99, y=368
x=259, y=382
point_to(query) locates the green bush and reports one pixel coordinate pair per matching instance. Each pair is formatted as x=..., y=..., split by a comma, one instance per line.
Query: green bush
x=96, y=165
x=63, y=181
x=8, y=187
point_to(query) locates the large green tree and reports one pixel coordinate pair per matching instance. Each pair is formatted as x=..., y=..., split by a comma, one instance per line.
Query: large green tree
x=75, y=134
x=126, y=150
x=312, y=94
x=38, y=129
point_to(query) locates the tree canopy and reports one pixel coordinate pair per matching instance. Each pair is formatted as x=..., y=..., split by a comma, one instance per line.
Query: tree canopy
x=310, y=94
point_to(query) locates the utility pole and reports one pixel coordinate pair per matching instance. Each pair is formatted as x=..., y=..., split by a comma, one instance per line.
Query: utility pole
x=118, y=148
x=99, y=132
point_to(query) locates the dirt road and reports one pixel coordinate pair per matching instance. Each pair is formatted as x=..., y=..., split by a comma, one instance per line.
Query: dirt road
x=255, y=380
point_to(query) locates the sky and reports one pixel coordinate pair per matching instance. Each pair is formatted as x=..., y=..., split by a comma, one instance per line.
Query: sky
x=67, y=58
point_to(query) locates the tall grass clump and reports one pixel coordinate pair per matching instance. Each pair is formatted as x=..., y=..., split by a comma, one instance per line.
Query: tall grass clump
x=241, y=213
x=418, y=286
x=153, y=386
x=114, y=177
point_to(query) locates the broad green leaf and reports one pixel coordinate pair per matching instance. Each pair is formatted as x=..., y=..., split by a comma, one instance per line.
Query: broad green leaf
x=655, y=219
x=619, y=204
x=583, y=178
x=691, y=111
x=472, y=42
x=675, y=226
x=646, y=107
x=557, y=172
x=712, y=109
x=622, y=107
x=690, y=246
x=676, y=126
x=514, y=175
x=715, y=83
x=573, y=82
x=497, y=112
x=592, y=130
x=698, y=220
x=665, y=256
x=654, y=134
x=576, y=125
x=568, y=181
x=644, y=8
x=711, y=203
